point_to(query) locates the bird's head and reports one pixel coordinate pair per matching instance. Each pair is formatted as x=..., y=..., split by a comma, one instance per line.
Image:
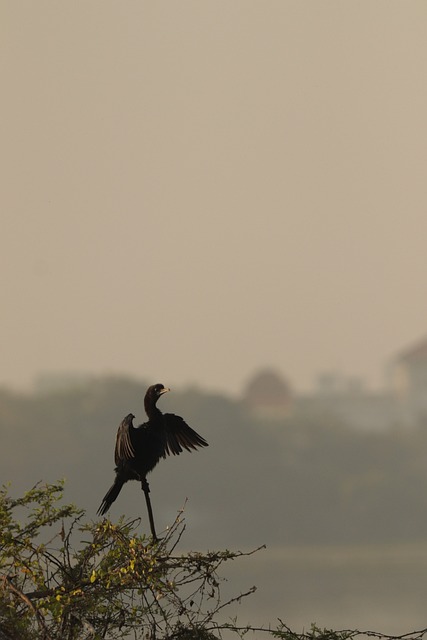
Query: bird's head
x=155, y=391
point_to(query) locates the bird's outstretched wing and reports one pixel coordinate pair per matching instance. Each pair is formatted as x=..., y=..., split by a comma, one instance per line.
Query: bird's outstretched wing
x=124, y=448
x=179, y=436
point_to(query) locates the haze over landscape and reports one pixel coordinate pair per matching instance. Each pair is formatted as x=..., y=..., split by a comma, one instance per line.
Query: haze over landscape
x=194, y=190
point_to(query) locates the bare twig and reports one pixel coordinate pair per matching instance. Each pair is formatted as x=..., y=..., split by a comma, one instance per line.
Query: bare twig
x=8, y=582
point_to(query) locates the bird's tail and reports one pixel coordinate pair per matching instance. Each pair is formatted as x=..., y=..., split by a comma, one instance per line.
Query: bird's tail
x=110, y=496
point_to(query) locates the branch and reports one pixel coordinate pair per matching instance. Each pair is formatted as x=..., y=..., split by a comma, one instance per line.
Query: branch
x=7, y=581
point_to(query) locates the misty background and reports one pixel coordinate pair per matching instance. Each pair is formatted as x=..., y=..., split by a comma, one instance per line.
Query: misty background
x=340, y=508
x=195, y=192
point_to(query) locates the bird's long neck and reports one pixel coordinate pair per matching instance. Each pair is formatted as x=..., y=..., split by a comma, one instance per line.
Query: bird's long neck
x=151, y=410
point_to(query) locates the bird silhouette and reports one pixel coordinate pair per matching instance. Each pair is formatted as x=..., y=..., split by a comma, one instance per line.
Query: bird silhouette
x=139, y=449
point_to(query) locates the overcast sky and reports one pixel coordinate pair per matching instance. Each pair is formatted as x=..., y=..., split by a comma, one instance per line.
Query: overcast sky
x=193, y=190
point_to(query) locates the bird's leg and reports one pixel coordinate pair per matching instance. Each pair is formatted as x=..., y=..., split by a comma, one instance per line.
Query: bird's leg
x=146, y=489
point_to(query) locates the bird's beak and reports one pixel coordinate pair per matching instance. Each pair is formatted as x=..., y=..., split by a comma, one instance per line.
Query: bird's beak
x=164, y=390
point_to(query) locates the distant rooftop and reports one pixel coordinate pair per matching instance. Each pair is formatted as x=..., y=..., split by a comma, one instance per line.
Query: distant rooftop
x=417, y=352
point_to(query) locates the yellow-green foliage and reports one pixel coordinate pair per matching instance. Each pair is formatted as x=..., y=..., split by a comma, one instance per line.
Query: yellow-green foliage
x=112, y=583
x=65, y=579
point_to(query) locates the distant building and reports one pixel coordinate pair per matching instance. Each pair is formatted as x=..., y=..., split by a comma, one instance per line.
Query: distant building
x=402, y=402
x=409, y=383
x=268, y=395
x=346, y=400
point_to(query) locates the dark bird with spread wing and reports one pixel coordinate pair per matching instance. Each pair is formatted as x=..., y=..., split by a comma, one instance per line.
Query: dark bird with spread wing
x=139, y=449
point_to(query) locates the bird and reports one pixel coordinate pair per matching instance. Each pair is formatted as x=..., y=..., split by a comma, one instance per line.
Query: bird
x=139, y=449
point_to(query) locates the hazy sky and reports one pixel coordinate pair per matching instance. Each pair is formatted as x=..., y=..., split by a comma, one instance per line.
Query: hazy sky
x=193, y=190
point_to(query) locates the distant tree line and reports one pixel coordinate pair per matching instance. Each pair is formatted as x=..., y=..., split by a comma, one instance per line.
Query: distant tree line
x=302, y=480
